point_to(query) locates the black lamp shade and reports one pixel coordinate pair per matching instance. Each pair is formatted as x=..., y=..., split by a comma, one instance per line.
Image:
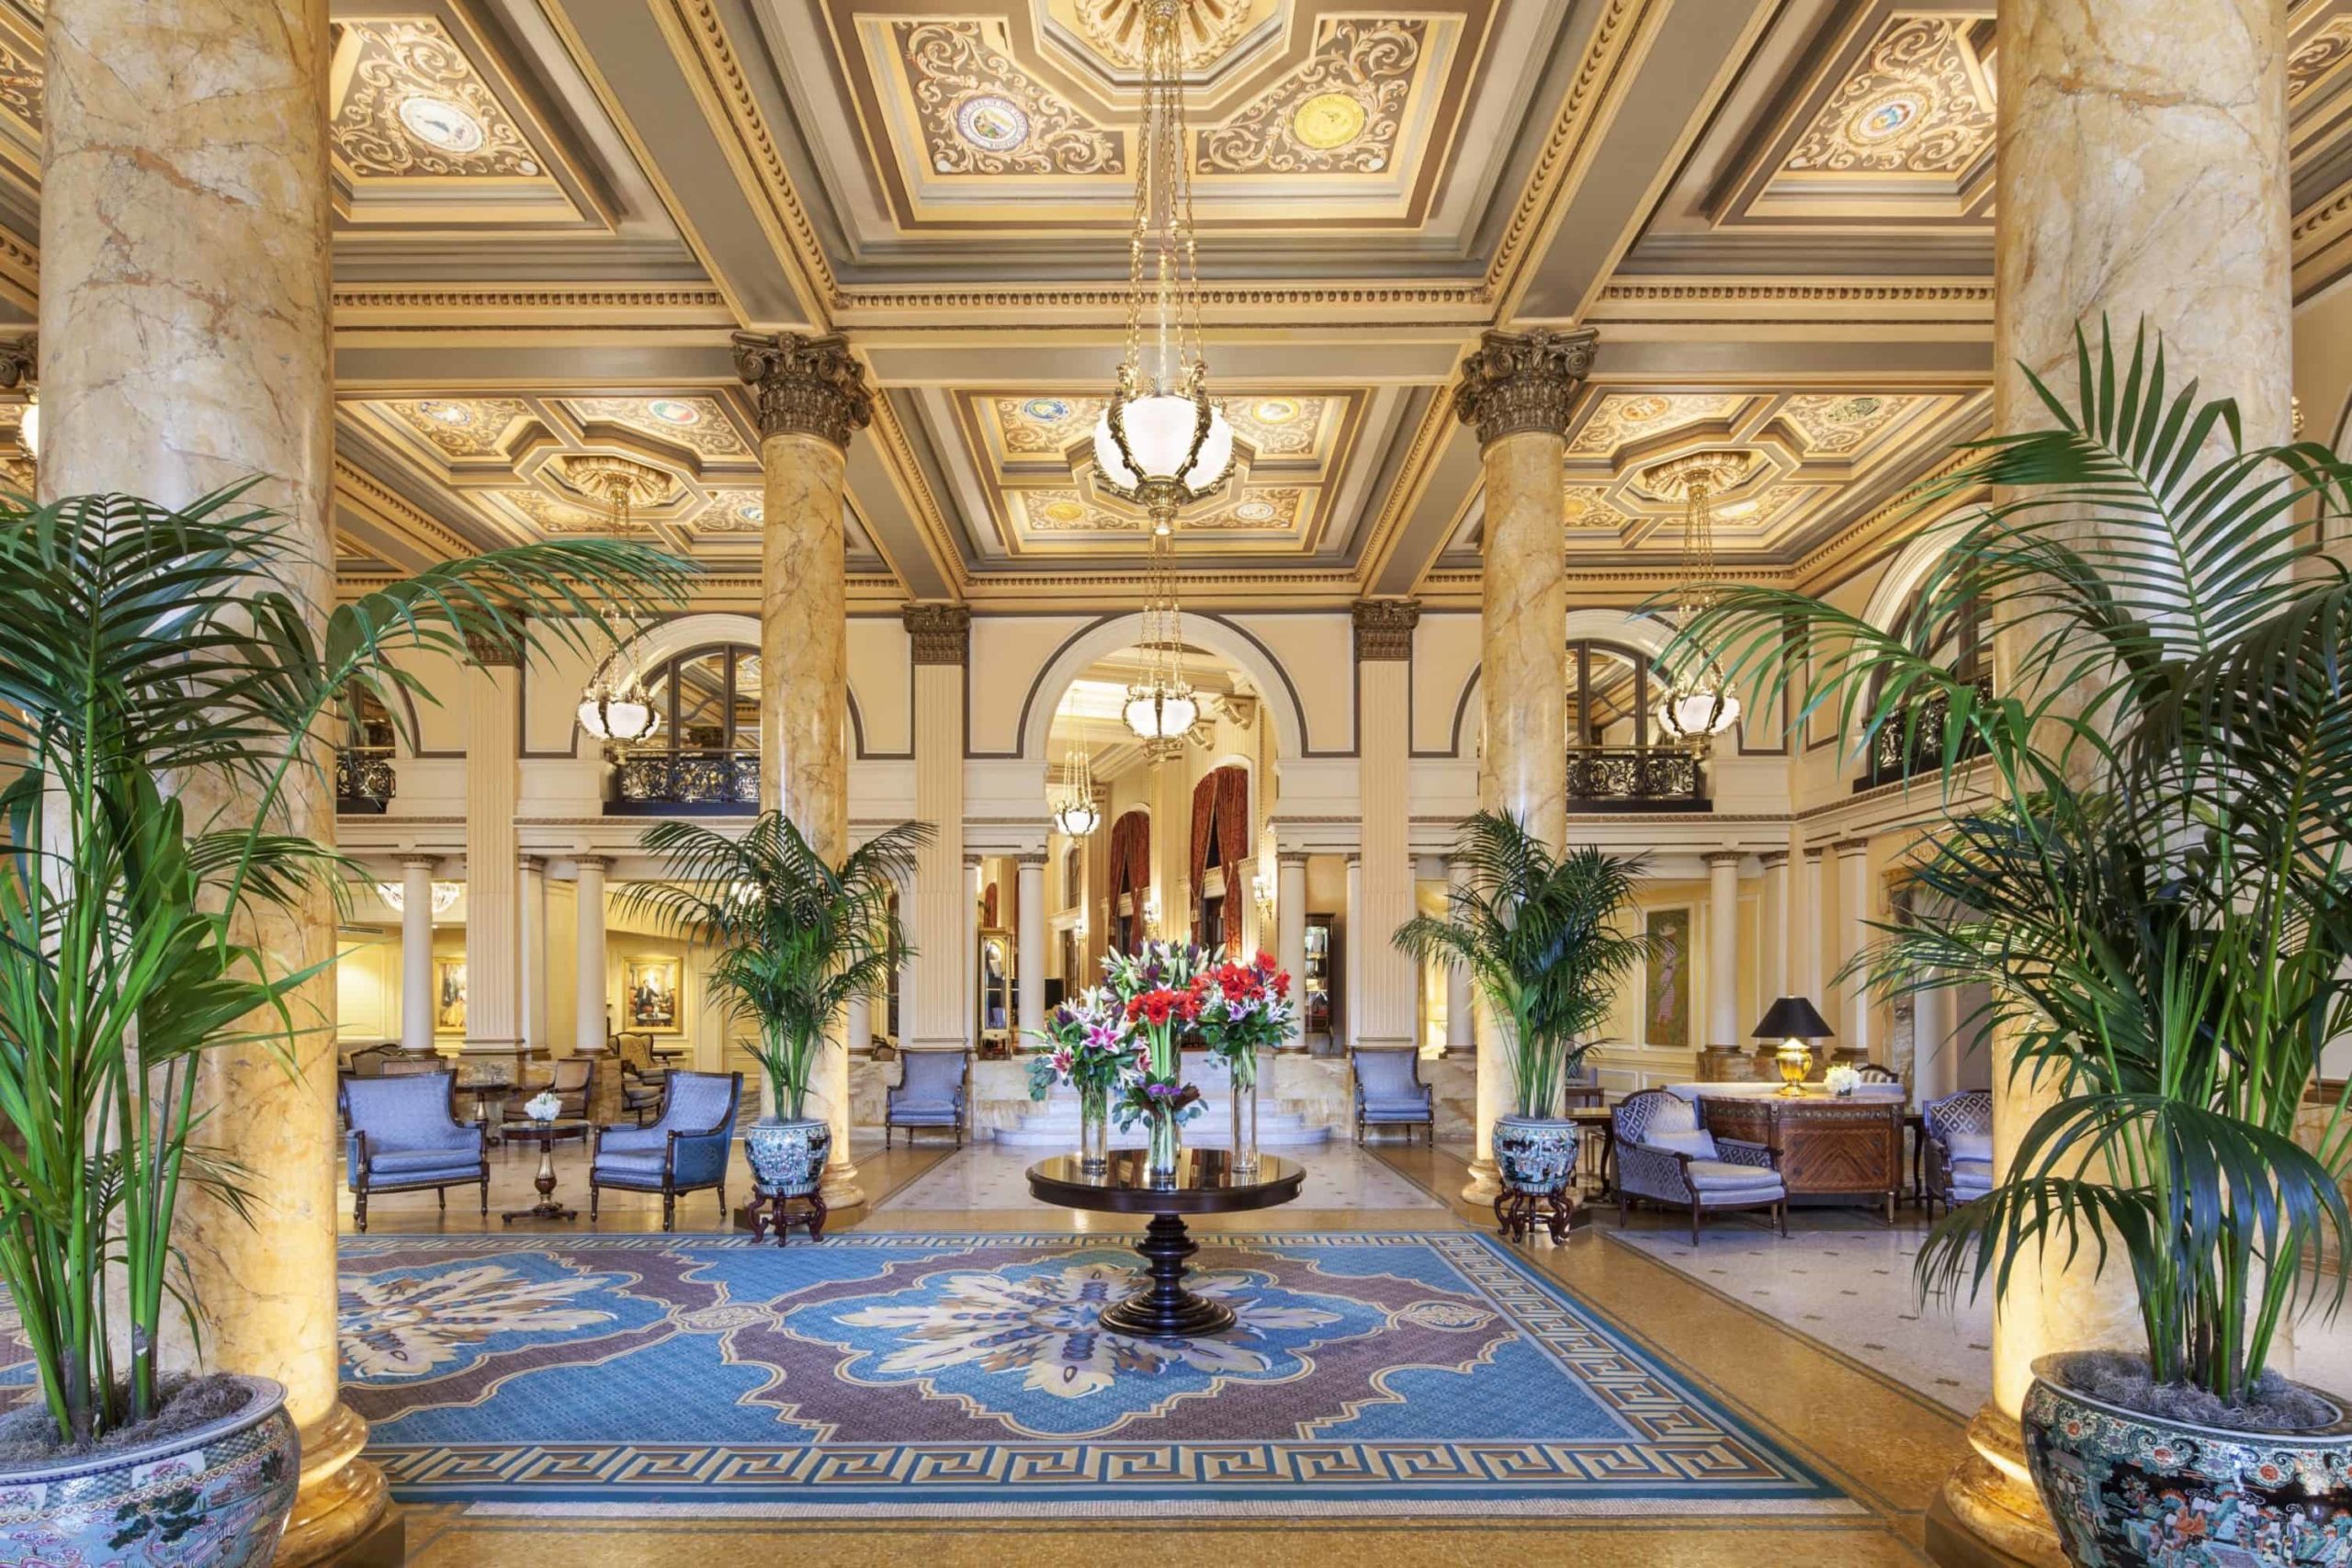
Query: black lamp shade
x=1793, y=1018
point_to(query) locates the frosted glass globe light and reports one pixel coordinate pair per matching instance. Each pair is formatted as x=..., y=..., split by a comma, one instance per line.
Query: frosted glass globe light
x=1156, y=713
x=1159, y=430
x=1076, y=818
x=608, y=717
x=1690, y=714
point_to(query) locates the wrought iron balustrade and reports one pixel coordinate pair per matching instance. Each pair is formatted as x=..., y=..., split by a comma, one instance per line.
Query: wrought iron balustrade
x=662, y=784
x=1635, y=778
x=364, y=779
x=1912, y=742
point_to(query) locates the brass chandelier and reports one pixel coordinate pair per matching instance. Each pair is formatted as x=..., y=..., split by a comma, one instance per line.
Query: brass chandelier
x=1074, y=810
x=1161, y=708
x=1698, y=706
x=1162, y=445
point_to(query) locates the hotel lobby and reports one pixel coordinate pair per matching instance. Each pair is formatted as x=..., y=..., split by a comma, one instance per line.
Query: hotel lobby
x=1124, y=779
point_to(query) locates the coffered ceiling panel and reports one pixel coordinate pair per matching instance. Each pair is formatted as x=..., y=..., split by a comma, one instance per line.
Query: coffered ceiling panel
x=504, y=468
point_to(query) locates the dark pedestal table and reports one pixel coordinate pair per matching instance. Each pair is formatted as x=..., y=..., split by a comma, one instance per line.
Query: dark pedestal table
x=1205, y=1184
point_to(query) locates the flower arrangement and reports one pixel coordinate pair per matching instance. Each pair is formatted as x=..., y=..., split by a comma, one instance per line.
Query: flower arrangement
x=542, y=1106
x=1087, y=1042
x=1244, y=1009
x=1841, y=1080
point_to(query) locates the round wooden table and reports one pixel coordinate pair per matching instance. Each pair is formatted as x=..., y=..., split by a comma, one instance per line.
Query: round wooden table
x=547, y=1134
x=1205, y=1184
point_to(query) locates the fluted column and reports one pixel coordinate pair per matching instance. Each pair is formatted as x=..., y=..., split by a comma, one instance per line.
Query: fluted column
x=589, y=993
x=532, y=874
x=185, y=345
x=1853, y=935
x=1351, y=961
x=1518, y=389
x=1773, y=969
x=935, y=1013
x=1029, y=946
x=1722, y=950
x=2124, y=126
x=1805, y=967
x=1461, y=1021
x=493, y=898
x=417, y=953
x=1389, y=980
x=1290, y=916
x=812, y=398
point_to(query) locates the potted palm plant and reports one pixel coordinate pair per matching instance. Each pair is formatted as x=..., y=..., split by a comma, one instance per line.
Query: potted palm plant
x=2138, y=848
x=794, y=938
x=1540, y=937
x=139, y=645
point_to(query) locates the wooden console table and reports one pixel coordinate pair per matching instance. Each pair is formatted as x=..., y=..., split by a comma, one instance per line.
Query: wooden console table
x=1825, y=1146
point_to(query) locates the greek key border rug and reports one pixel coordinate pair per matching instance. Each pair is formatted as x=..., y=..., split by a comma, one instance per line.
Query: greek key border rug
x=882, y=1373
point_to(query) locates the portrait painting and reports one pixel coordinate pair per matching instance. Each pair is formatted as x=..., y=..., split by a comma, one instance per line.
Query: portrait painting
x=448, y=995
x=650, y=996
x=1666, y=1002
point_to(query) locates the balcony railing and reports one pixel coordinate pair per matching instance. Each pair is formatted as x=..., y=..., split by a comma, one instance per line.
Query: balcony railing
x=1904, y=749
x=1635, y=778
x=364, y=779
x=685, y=783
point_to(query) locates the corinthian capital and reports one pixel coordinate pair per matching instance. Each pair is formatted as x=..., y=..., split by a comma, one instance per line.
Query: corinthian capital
x=805, y=386
x=1518, y=381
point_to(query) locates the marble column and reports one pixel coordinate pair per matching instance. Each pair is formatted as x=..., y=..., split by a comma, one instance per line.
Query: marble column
x=1854, y=934
x=935, y=1013
x=2123, y=127
x=494, y=904
x=417, y=953
x=532, y=899
x=184, y=344
x=1518, y=389
x=1029, y=945
x=1290, y=915
x=1461, y=1002
x=591, y=992
x=812, y=398
x=1722, y=951
x=1388, y=980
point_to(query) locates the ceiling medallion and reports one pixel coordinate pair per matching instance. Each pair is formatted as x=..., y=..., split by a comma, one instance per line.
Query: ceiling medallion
x=1119, y=29
x=1162, y=445
x=624, y=483
x=1255, y=511
x=674, y=410
x=1329, y=120
x=443, y=413
x=1884, y=119
x=991, y=122
x=1274, y=410
x=1046, y=410
x=753, y=512
x=441, y=124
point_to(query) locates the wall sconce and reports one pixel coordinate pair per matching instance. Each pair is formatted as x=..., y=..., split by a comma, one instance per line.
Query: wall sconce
x=1078, y=928
x=1261, y=889
x=1151, y=909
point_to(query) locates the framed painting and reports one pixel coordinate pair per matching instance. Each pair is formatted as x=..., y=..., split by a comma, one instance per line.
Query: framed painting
x=650, y=996
x=1666, y=987
x=448, y=995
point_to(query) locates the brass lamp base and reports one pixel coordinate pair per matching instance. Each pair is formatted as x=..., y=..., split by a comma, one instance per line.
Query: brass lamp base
x=1795, y=1059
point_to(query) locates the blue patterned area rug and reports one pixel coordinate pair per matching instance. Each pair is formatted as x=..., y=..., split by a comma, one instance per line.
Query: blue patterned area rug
x=907, y=1374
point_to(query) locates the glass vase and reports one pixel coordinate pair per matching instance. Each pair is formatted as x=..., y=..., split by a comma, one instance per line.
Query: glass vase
x=1244, y=1120
x=1159, y=1164
x=1093, y=1131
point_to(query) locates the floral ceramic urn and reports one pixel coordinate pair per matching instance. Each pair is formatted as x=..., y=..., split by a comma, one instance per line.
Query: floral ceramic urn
x=787, y=1156
x=2131, y=1490
x=217, y=1495
x=1534, y=1155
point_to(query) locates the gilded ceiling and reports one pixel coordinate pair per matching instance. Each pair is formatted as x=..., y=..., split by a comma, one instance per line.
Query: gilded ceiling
x=551, y=216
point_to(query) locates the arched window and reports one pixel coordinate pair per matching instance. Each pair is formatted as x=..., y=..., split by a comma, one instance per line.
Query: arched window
x=1901, y=750
x=703, y=757
x=1618, y=759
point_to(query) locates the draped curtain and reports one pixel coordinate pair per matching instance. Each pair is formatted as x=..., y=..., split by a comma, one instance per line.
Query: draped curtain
x=1233, y=842
x=1204, y=815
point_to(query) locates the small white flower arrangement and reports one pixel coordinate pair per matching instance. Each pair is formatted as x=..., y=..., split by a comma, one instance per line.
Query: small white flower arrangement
x=542, y=1106
x=1842, y=1080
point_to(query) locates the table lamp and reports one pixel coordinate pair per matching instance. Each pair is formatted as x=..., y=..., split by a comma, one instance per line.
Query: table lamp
x=1793, y=1021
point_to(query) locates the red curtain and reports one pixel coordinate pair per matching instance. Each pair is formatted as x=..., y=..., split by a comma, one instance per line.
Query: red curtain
x=1233, y=844
x=1203, y=813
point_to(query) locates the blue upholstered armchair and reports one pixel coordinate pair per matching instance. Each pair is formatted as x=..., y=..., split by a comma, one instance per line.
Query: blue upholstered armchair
x=929, y=1093
x=1389, y=1091
x=686, y=1151
x=1960, y=1148
x=1666, y=1156
x=404, y=1139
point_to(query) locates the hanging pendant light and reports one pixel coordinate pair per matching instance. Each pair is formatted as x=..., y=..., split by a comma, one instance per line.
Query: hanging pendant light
x=1163, y=445
x=444, y=896
x=1161, y=708
x=614, y=709
x=1075, y=812
x=1698, y=703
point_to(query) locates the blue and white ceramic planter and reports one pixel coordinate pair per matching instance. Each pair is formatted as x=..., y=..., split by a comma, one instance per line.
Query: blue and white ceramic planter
x=217, y=1495
x=2128, y=1489
x=1534, y=1154
x=787, y=1156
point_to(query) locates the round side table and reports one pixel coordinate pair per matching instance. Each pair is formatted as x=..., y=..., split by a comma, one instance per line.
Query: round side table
x=1205, y=1184
x=547, y=1134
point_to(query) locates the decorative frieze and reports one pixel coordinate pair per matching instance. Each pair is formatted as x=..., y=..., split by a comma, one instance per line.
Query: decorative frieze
x=805, y=386
x=1524, y=381
x=1384, y=627
x=941, y=634
x=493, y=652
